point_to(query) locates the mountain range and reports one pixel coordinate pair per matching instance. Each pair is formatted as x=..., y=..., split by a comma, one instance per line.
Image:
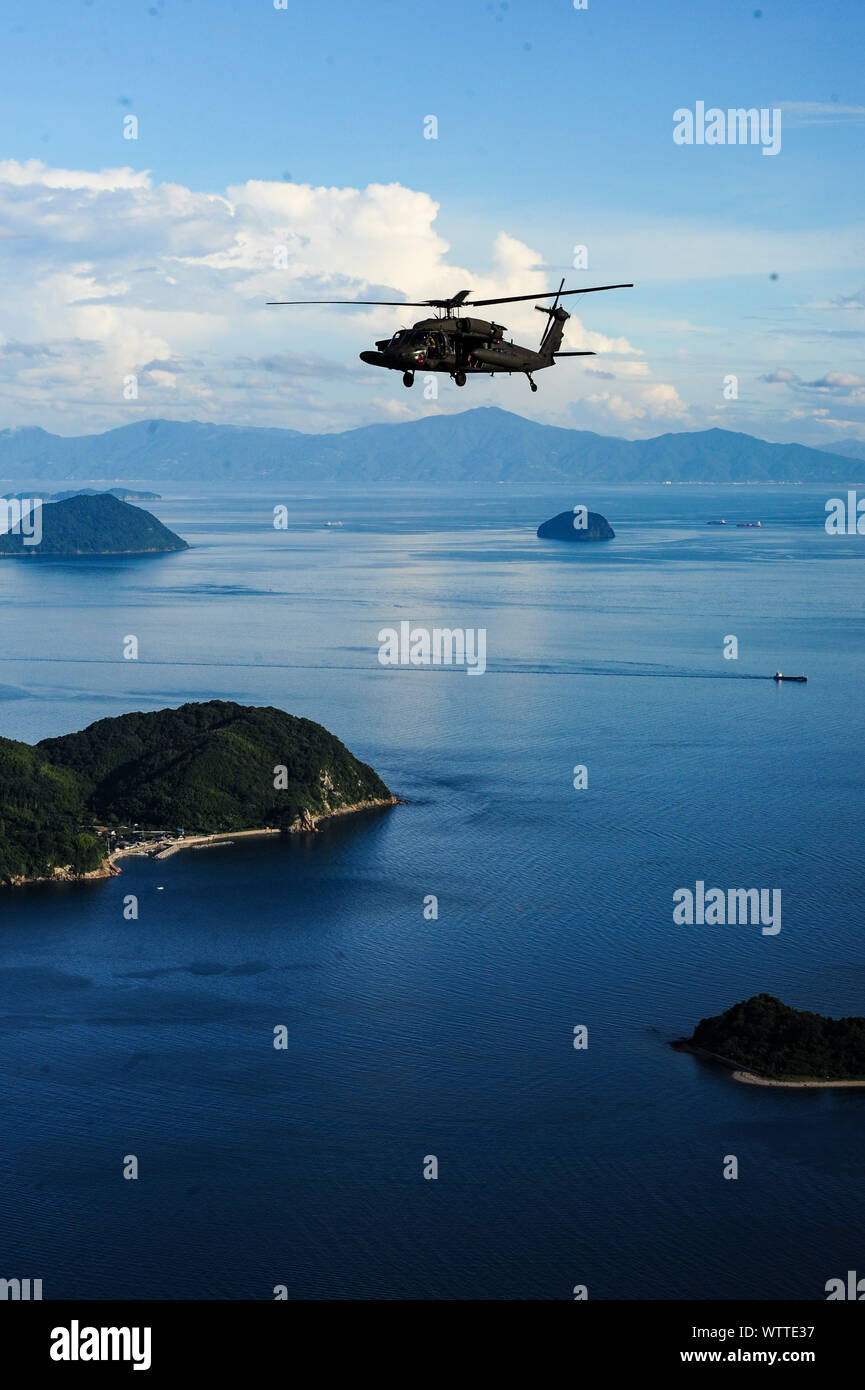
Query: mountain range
x=484, y=445
x=850, y=448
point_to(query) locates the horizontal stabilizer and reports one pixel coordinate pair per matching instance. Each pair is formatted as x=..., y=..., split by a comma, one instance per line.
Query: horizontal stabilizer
x=575, y=354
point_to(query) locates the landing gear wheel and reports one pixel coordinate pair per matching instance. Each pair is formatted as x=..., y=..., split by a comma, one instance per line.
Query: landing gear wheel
x=460, y=378
x=408, y=378
x=531, y=383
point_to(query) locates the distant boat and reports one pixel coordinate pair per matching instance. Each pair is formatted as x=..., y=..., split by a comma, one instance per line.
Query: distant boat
x=749, y=523
x=779, y=676
x=722, y=522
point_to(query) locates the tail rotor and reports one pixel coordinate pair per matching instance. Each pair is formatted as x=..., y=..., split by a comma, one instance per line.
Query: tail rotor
x=556, y=320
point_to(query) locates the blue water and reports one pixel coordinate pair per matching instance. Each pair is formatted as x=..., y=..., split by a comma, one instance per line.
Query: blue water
x=453, y=1037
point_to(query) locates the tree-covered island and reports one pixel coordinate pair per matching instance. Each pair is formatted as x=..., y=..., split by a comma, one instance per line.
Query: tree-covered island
x=771, y=1041
x=86, y=525
x=210, y=768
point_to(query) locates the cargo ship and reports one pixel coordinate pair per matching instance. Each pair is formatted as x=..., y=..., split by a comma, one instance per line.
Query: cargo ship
x=779, y=676
x=747, y=524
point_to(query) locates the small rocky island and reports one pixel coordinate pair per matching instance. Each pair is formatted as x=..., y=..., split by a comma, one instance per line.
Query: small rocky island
x=151, y=783
x=576, y=525
x=98, y=524
x=766, y=1042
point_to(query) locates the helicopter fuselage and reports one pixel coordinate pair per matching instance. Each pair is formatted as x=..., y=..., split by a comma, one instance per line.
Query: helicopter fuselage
x=455, y=346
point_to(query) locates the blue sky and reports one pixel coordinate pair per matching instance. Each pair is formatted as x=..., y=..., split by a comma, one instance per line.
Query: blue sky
x=261, y=127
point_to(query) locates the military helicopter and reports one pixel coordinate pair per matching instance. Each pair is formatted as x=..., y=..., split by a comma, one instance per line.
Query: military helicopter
x=466, y=346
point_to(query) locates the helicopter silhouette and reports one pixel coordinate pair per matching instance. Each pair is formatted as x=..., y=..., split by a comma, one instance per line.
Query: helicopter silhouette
x=464, y=347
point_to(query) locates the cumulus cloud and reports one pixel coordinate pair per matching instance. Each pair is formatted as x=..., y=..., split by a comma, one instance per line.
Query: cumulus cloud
x=33, y=172
x=835, y=381
x=656, y=402
x=840, y=383
x=781, y=374
x=109, y=276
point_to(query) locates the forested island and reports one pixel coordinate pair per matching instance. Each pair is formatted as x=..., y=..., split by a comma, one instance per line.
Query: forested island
x=774, y=1043
x=98, y=524
x=210, y=768
x=576, y=525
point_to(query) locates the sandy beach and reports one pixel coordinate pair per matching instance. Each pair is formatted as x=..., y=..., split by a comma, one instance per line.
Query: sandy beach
x=164, y=849
x=750, y=1079
x=201, y=841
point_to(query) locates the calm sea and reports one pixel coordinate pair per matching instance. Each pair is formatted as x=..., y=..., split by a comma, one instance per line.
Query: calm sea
x=453, y=1037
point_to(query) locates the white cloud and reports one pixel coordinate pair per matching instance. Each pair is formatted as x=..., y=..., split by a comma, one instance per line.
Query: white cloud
x=836, y=381
x=819, y=112
x=106, y=274
x=33, y=173
x=657, y=402
x=780, y=374
x=842, y=383
x=125, y=277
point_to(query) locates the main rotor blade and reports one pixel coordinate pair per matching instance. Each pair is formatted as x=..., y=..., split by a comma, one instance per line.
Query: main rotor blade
x=547, y=294
x=397, y=303
x=456, y=302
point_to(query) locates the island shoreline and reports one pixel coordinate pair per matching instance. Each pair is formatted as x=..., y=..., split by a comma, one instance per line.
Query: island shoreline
x=751, y=1078
x=305, y=824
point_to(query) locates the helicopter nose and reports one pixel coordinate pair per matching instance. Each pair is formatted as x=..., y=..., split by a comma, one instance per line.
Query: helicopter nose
x=375, y=359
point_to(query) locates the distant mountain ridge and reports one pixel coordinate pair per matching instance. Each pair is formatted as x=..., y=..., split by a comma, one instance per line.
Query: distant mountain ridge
x=121, y=493
x=484, y=445
x=850, y=448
